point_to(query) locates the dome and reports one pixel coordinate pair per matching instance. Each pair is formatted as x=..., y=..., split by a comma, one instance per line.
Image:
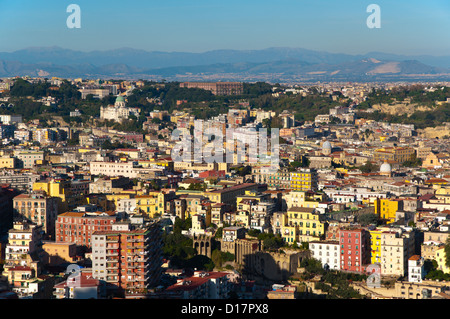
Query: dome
x=385, y=168
x=120, y=101
x=326, y=145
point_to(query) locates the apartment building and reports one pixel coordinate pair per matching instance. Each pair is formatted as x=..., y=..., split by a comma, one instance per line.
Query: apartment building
x=39, y=209
x=441, y=259
x=24, y=247
x=354, y=250
x=387, y=208
x=130, y=259
x=108, y=185
x=228, y=195
x=304, y=180
x=279, y=179
x=396, y=248
x=29, y=159
x=21, y=181
x=8, y=162
x=302, y=224
x=375, y=245
x=218, y=211
x=302, y=199
x=78, y=227
x=327, y=252
x=416, y=271
x=393, y=154
x=125, y=169
x=70, y=196
x=153, y=203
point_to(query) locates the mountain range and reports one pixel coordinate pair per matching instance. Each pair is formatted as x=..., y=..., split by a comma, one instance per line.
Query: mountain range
x=271, y=64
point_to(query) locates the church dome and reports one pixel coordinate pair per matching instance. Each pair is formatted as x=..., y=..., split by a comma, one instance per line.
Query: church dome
x=385, y=168
x=120, y=101
x=326, y=145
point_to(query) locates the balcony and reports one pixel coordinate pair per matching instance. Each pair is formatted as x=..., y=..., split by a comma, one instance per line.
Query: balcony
x=113, y=239
x=112, y=253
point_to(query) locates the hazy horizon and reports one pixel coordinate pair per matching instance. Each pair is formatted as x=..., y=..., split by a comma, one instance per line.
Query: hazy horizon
x=407, y=27
x=218, y=49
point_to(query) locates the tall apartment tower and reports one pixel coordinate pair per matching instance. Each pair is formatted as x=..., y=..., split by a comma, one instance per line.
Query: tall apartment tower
x=129, y=259
x=354, y=249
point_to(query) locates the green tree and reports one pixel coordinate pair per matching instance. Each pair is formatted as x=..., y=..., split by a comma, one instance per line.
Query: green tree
x=447, y=252
x=368, y=219
x=368, y=167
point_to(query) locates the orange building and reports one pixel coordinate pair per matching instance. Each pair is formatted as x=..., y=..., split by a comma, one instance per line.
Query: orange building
x=128, y=259
x=59, y=253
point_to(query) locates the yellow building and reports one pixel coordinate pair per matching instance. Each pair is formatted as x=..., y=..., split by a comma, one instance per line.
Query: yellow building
x=152, y=203
x=303, y=180
x=386, y=208
x=86, y=150
x=8, y=162
x=375, y=246
x=431, y=161
x=308, y=223
x=252, y=195
x=443, y=194
x=229, y=195
x=302, y=199
x=440, y=259
x=62, y=189
x=289, y=234
x=149, y=205
x=157, y=162
x=395, y=154
x=243, y=218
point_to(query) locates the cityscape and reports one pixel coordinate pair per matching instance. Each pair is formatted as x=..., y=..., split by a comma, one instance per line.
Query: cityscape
x=245, y=177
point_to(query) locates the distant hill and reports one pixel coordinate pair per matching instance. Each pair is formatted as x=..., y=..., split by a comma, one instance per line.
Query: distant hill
x=272, y=64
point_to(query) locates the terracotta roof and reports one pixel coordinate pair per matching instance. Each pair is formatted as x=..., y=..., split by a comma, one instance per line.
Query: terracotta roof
x=414, y=257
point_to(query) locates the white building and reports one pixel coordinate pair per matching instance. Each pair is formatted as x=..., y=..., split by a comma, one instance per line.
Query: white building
x=9, y=119
x=118, y=112
x=327, y=252
x=125, y=169
x=416, y=268
x=127, y=205
x=356, y=193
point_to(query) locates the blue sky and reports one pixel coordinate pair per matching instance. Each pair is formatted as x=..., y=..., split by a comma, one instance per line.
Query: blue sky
x=407, y=26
